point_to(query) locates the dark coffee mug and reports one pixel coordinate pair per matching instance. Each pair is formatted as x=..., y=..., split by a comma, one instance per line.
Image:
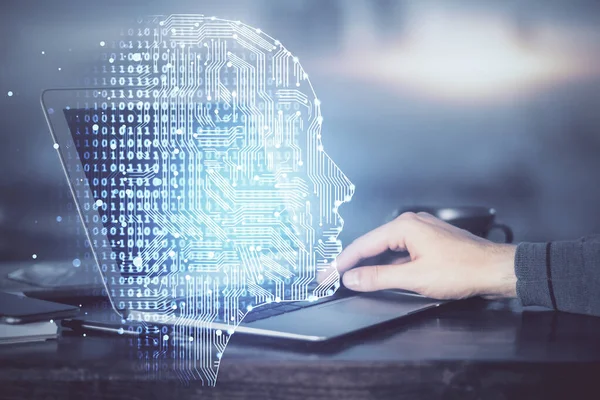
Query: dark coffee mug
x=477, y=220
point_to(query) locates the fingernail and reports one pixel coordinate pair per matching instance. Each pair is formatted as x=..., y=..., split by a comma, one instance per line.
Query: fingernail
x=350, y=279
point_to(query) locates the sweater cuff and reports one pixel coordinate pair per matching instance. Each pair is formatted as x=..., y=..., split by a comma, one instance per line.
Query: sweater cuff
x=531, y=272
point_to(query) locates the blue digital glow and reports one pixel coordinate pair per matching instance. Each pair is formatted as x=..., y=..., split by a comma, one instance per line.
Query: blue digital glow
x=207, y=188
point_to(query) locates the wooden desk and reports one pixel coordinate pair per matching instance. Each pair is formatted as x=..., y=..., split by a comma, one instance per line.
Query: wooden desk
x=466, y=350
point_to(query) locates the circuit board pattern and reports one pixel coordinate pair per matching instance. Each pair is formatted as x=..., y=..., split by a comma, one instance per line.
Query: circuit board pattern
x=208, y=172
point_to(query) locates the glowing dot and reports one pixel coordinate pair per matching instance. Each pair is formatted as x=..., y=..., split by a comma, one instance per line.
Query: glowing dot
x=235, y=36
x=99, y=203
x=111, y=60
x=174, y=306
x=209, y=98
x=95, y=127
x=58, y=219
x=300, y=163
x=156, y=181
x=59, y=68
x=298, y=113
x=102, y=43
x=175, y=173
x=84, y=335
x=174, y=31
x=123, y=224
x=219, y=332
x=179, y=131
x=176, y=151
x=250, y=308
x=43, y=52
x=34, y=256
x=277, y=299
x=256, y=177
x=298, y=84
x=296, y=59
x=187, y=277
x=211, y=254
x=233, y=94
x=216, y=111
x=191, y=338
x=171, y=253
x=317, y=102
x=56, y=146
x=137, y=261
x=266, y=127
x=258, y=31
x=213, y=18
x=239, y=167
x=229, y=64
x=113, y=146
x=161, y=23
x=321, y=148
x=276, y=214
x=10, y=93
x=251, y=248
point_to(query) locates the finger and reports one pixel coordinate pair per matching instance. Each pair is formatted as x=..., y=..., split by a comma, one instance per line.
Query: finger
x=399, y=260
x=391, y=236
x=380, y=277
x=326, y=274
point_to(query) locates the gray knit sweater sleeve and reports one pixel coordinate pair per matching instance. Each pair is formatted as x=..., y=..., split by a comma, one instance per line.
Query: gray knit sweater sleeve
x=560, y=275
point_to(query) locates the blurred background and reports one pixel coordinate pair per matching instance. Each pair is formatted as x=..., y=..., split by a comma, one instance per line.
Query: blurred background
x=426, y=102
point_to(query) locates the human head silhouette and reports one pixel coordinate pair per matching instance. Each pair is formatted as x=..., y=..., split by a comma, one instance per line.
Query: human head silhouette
x=209, y=175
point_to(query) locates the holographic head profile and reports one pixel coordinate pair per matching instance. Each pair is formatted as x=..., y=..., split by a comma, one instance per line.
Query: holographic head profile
x=217, y=194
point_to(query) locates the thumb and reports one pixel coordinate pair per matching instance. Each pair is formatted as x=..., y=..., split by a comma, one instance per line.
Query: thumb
x=381, y=277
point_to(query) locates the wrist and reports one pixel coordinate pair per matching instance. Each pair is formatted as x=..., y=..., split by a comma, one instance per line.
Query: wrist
x=502, y=282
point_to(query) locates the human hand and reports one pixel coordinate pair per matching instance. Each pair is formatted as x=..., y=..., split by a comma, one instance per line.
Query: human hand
x=444, y=262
